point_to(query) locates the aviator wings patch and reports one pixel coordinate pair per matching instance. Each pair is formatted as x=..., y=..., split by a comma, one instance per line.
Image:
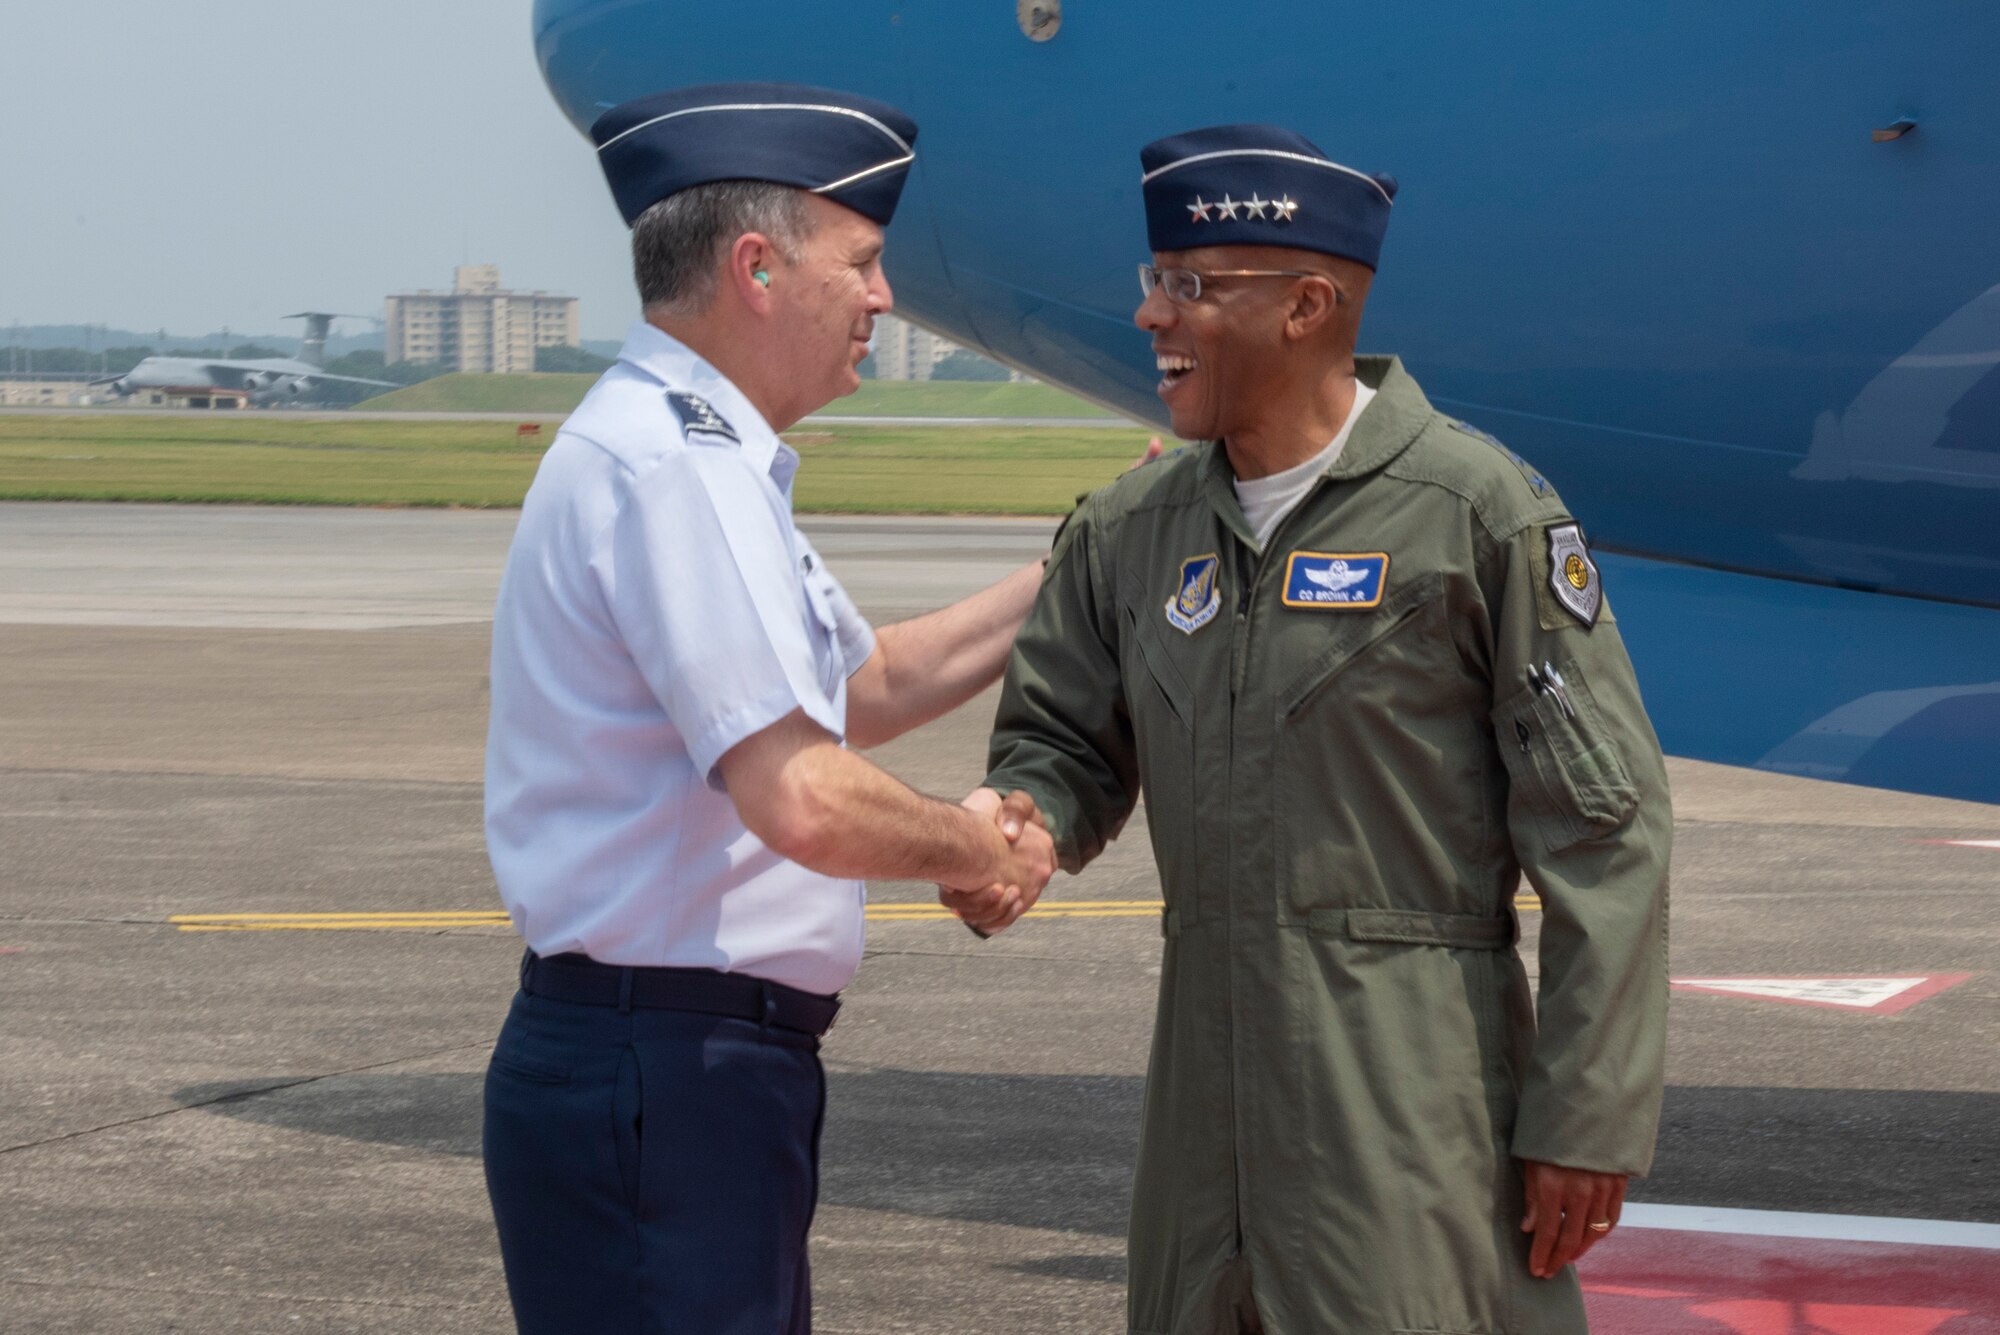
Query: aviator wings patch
x=1335, y=579
x=696, y=416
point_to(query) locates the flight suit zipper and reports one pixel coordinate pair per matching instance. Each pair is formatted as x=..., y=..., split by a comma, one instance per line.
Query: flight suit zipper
x=1250, y=568
x=1244, y=578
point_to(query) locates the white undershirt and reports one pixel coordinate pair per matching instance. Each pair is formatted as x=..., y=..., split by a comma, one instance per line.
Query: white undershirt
x=1267, y=500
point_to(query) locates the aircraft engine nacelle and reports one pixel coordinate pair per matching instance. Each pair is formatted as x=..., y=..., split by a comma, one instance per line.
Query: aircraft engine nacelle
x=257, y=380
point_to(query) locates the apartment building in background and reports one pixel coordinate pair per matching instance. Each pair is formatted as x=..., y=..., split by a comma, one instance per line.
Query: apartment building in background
x=905, y=352
x=478, y=325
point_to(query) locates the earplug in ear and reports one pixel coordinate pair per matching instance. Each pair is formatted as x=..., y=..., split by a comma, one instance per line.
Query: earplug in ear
x=763, y=278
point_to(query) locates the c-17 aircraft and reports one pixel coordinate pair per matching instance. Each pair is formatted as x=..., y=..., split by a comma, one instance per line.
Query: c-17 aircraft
x=1727, y=279
x=267, y=380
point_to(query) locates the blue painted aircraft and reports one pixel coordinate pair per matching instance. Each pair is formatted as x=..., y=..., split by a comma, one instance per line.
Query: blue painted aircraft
x=1727, y=273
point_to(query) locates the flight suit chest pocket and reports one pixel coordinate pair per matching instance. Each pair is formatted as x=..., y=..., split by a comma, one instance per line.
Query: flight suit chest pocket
x=1162, y=707
x=1567, y=775
x=1351, y=636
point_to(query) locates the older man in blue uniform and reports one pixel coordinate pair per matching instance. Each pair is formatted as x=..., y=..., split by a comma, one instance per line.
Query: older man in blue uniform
x=676, y=824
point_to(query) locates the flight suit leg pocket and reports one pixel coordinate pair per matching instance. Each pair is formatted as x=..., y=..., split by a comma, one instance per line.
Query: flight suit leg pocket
x=1567, y=775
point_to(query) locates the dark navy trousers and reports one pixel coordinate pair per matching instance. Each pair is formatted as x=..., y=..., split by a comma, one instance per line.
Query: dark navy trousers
x=653, y=1171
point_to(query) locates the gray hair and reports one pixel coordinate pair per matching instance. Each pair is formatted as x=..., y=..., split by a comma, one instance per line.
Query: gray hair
x=679, y=243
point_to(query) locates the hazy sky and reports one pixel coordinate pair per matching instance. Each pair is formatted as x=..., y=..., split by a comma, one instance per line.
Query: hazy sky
x=222, y=162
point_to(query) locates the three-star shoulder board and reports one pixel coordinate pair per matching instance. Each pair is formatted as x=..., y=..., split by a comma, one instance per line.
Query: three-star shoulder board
x=697, y=418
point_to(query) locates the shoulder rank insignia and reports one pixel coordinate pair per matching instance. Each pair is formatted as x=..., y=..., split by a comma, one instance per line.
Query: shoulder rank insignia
x=697, y=416
x=1335, y=580
x=1528, y=470
x=1198, y=599
x=1573, y=575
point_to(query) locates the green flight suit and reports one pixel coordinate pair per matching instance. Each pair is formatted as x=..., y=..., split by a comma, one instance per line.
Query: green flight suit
x=1345, y=775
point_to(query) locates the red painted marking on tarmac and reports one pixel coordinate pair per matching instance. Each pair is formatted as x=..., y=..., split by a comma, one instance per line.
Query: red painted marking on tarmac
x=1674, y=1282
x=1781, y=1318
x=12, y=950
x=1879, y=994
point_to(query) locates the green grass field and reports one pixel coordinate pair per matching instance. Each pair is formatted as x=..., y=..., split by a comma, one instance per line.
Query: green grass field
x=214, y=457
x=959, y=398
x=535, y=394
x=531, y=393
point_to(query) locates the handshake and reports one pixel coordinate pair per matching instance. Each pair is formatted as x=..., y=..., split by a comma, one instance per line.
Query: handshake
x=1023, y=860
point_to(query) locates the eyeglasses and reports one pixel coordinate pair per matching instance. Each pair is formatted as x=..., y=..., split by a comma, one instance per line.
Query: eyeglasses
x=1184, y=285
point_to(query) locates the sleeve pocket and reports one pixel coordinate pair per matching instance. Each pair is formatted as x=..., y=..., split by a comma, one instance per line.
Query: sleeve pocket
x=829, y=651
x=1568, y=778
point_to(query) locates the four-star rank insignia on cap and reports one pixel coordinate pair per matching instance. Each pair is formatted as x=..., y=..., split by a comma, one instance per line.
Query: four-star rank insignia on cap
x=697, y=416
x=1573, y=577
x=1197, y=600
x=1335, y=580
x=1254, y=209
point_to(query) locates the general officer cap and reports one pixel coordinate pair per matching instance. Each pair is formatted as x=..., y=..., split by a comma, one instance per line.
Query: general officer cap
x=853, y=150
x=1259, y=185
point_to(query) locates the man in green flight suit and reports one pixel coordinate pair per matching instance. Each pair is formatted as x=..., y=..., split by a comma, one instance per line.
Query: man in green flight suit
x=1358, y=657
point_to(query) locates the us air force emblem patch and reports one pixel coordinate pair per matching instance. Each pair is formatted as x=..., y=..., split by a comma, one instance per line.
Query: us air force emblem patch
x=697, y=416
x=1573, y=575
x=1332, y=580
x=1198, y=599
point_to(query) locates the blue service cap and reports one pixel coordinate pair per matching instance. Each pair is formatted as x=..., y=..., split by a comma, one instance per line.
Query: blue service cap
x=853, y=150
x=1259, y=185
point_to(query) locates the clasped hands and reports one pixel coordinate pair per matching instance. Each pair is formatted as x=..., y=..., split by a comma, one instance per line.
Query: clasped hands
x=1024, y=858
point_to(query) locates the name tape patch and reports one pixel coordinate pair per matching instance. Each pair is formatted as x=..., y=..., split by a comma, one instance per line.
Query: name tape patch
x=1335, y=580
x=1198, y=597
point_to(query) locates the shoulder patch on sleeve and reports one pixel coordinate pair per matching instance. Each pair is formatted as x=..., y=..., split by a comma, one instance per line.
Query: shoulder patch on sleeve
x=697, y=417
x=1568, y=585
x=1538, y=483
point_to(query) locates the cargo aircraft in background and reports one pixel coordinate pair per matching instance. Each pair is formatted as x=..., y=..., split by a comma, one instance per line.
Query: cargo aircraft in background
x=1726, y=276
x=267, y=380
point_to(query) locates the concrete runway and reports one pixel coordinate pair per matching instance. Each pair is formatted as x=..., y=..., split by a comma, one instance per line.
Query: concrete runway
x=238, y=711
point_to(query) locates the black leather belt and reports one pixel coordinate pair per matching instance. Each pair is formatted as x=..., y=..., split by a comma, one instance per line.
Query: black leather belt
x=581, y=979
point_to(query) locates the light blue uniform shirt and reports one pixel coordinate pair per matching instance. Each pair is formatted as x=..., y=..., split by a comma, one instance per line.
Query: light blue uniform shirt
x=658, y=607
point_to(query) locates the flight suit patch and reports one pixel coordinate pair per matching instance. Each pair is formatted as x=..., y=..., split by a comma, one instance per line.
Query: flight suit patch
x=1335, y=580
x=1573, y=576
x=697, y=416
x=1198, y=598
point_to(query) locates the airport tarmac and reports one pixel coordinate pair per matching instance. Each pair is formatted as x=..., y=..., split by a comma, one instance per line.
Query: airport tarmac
x=239, y=1123
x=350, y=415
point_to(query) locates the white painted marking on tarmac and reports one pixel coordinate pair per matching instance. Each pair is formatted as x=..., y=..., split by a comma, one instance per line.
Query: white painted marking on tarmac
x=1970, y=843
x=1884, y=996
x=1825, y=1227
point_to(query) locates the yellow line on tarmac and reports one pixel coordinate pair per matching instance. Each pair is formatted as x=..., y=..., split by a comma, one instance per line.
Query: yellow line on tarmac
x=364, y=925
x=386, y=921
x=383, y=915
